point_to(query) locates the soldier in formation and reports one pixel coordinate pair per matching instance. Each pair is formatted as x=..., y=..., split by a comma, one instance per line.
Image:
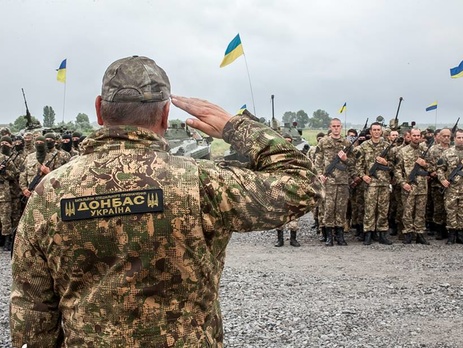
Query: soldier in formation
x=336, y=180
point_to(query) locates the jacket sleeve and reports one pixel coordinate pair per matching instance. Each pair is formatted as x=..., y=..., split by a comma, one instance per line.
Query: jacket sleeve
x=34, y=316
x=277, y=186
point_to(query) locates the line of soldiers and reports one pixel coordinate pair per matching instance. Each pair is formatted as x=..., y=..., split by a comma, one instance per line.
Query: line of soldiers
x=24, y=161
x=381, y=186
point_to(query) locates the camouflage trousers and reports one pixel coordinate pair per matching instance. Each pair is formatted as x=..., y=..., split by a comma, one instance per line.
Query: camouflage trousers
x=376, y=208
x=336, y=198
x=5, y=218
x=321, y=213
x=439, y=214
x=414, y=212
x=397, y=191
x=454, y=207
x=15, y=211
x=292, y=225
x=394, y=202
x=357, y=202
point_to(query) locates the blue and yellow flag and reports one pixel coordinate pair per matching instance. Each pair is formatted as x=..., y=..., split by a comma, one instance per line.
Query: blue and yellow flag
x=241, y=110
x=341, y=110
x=432, y=106
x=233, y=51
x=457, y=71
x=61, y=77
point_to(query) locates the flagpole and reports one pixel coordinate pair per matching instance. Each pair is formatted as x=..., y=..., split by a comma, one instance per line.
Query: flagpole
x=250, y=85
x=345, y=121
x=435, y=122
x=64, y=100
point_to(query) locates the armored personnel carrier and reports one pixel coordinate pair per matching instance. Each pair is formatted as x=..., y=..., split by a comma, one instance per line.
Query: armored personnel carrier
x=185, y=142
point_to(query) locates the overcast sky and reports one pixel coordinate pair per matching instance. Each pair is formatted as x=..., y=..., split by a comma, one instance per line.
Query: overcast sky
x=310, y=54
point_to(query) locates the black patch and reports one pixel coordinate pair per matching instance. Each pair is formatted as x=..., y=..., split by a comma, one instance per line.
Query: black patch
x=114, y=204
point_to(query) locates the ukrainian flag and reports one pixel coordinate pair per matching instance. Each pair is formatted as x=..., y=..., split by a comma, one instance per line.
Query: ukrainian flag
x=457, y=71
x=241, y=110
x=233, y=51
x=432, y=106
x=341, y=110
x=61, y=77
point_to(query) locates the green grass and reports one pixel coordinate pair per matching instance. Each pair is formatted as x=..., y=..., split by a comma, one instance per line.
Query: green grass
x=219, y=146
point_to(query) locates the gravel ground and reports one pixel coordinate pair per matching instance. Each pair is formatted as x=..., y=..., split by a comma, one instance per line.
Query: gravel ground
x=396, y=296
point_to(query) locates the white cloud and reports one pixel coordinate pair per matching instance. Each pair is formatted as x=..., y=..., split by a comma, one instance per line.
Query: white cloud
x=309, y=54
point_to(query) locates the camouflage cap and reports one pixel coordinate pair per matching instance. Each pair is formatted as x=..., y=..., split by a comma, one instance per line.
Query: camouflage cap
x=50, y=135
x=147, y=81
x=7, y=139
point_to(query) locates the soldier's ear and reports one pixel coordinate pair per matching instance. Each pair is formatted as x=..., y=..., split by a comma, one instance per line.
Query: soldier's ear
x=98, y=110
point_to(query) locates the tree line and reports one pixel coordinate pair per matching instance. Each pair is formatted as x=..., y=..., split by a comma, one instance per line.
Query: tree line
x=81, y=124
x=320, y=119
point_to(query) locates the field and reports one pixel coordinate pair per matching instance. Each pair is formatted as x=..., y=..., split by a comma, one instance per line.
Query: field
x=219, y=146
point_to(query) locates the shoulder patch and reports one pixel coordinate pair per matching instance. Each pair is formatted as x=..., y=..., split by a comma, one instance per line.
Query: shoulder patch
x=114, y=204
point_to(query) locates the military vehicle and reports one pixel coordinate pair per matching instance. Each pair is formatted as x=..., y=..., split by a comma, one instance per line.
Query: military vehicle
x=185, y=142
x=296, y=134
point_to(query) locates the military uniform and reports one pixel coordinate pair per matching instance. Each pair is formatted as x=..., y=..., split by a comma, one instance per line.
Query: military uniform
x=6, y=174
x=450, y=159
x=54, y=159
x=436, y=196
x=146, y=279
x=377, y=191
x=336, y=185
x=414, y=202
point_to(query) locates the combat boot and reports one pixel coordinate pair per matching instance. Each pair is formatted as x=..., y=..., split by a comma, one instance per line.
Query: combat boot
x=367, y=239
x=439, y=232
x=408, y=237
x=383, y=238
x=8, y=240
x=432, y=229
x=329, y=236
x=314, y=225
x=392, y=227
x=340, y=236
x=292, y=240
x=452, y=237
x=420, y=239
x=374, y=236
x=459, y=238
x=323, y=235
x=2, y=240
x=280, y=241
x=358, y=230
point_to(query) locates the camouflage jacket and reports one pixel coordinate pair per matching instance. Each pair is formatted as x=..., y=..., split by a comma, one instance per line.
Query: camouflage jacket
x=6, y=175
x=54, y=159
x=366, y=157
x=327, y=150
x=449, y=160
x=435, y=153
x=406, y=159
x=15, y=189
x=142, y=266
